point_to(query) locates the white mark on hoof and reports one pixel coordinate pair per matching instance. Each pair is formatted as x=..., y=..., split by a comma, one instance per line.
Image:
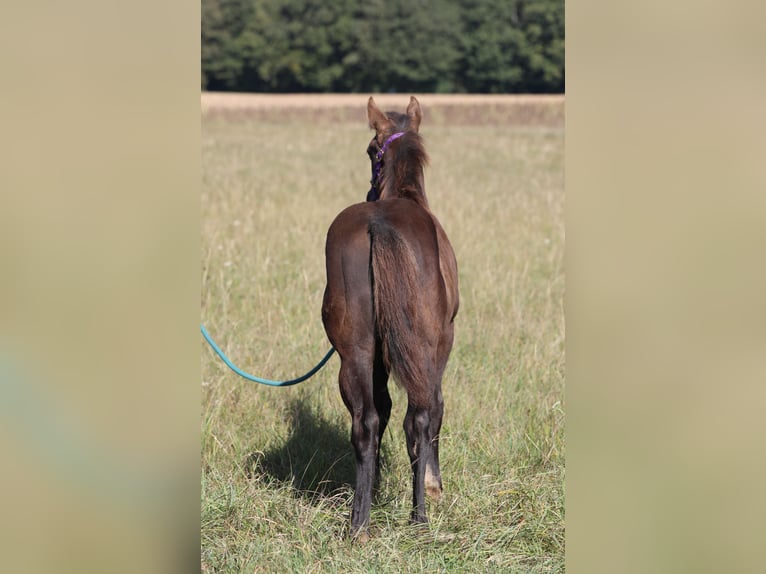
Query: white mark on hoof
x=362, y=536
x=433, y=485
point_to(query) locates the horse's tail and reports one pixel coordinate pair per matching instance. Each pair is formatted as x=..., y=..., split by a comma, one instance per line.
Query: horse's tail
x=397, y=308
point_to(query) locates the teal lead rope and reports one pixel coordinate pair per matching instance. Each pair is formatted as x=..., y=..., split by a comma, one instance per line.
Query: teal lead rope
x=255, y=379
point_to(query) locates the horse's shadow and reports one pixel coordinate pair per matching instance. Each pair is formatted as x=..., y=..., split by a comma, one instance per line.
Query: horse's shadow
x=316, y=460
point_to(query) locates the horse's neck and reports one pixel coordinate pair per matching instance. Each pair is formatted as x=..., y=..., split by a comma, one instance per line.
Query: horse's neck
x=408, y=182
x=416, y=195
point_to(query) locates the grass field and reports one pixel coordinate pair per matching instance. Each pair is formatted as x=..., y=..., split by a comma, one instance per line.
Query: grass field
x=277, y=470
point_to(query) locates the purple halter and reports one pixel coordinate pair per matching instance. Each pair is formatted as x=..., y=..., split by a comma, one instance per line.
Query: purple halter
x=374, y=192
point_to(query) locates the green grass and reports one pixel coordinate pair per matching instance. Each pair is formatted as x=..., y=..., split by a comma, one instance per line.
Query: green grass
x=277, y=468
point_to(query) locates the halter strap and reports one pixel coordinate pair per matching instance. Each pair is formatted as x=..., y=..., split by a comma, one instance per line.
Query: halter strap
x=386, y=143
x=374, y=192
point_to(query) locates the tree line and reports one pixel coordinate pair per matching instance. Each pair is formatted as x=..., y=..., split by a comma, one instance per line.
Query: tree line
x=471, y=46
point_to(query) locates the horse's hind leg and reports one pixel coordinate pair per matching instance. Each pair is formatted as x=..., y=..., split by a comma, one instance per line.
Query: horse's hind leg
x=382, y=401
x=357, y=391
x=433, y=480
x=417, y=427
x=433, y=477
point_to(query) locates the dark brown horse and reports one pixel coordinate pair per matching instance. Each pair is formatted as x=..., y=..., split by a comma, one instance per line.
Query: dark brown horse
x=389, y=306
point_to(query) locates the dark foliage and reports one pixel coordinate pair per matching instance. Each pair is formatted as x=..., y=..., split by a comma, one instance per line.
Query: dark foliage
x=478, y=46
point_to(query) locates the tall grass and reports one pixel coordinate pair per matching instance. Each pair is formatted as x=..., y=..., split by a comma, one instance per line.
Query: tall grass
x=277, y=470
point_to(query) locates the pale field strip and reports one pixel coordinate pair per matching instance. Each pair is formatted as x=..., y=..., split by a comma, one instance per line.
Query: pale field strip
x=243, y=102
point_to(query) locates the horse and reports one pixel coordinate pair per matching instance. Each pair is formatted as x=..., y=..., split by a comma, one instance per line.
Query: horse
x=389, y=308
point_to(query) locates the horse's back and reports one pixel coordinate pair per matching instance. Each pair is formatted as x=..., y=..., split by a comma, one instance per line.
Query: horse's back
x=348, y=247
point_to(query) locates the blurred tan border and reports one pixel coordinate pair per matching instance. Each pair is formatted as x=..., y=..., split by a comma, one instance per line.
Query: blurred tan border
x=99, y=287
x=666, y=338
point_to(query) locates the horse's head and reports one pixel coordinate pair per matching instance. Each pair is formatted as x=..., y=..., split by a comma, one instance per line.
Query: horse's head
x=388, y=126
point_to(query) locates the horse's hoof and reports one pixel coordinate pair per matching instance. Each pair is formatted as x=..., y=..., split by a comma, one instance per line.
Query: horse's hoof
x=361, y=536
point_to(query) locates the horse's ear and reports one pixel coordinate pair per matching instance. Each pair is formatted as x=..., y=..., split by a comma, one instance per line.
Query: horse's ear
x=378, y=120
x=413, y=111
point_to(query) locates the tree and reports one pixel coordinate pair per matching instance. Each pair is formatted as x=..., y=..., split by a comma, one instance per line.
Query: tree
x=410, y=45
x=222, y=23
x=543, y=25
x=512, y=46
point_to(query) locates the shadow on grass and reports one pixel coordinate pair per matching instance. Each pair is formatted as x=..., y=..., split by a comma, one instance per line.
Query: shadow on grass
x=316, y=460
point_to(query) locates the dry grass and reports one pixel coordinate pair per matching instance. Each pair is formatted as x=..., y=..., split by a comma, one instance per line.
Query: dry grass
x=454, y=109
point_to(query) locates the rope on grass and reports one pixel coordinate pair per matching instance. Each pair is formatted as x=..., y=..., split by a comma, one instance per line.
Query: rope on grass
x=255, y=379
